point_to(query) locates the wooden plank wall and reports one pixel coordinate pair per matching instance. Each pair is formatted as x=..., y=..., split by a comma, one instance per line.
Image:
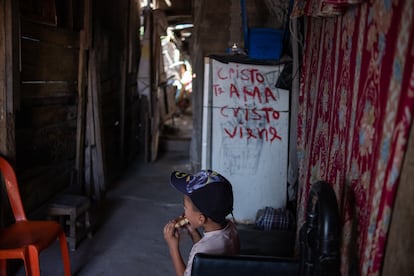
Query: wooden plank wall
x=46, y=120
x=116, y=26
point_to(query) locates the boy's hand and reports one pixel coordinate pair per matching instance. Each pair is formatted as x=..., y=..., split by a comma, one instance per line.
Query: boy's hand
x=171, y=235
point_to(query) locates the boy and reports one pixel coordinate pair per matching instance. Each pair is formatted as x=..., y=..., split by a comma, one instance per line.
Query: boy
x=208, y=199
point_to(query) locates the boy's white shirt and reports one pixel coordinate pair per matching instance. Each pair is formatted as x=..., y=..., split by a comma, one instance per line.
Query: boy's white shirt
x=221, y=242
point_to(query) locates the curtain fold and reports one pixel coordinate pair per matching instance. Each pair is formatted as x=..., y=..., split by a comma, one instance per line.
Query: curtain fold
x=356, y=105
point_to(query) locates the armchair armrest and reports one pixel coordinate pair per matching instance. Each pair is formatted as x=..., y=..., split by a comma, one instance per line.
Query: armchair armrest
x=208, y=264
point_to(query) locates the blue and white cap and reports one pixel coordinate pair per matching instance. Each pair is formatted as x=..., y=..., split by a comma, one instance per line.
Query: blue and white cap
x=209, y=191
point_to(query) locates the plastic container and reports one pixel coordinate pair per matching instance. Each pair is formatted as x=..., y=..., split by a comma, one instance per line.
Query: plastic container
x=265, y=43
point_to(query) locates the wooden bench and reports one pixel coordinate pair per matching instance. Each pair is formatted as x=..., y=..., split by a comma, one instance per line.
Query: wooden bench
x=73, y=213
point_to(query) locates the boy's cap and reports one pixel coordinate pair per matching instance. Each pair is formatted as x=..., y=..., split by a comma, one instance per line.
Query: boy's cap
x=209, y=191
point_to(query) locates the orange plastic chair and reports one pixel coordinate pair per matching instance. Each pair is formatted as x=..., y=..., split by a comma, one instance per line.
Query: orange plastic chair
x=25, y=239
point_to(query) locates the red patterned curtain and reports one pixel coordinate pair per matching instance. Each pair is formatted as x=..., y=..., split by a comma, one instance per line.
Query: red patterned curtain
x=356, y=105
x=322, y=7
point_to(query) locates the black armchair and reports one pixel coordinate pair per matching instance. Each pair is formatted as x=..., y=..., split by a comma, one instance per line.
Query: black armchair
x=319, y=246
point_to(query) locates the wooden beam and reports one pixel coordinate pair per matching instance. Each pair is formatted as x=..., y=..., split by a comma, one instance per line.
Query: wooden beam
x=80, y=132
x=85, y=37
x=123, y=85
x=9, y=75
x=96, y=141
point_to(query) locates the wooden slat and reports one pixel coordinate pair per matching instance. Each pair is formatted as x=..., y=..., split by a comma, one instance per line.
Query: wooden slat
x=49, y=34
x=9, y=72
x=48, y=62
x=32, y=91
x=124, y=73
x=94, y=155
x=98, y=157
x=44, y=116
x=85, y=38
x=134, y=25
x=80, y=136
x=3, y=84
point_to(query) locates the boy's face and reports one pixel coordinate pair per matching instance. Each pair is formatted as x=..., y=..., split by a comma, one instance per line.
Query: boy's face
x=194, y=216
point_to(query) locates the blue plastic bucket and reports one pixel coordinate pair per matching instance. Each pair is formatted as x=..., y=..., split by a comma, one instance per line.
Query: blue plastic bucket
x=265, y=43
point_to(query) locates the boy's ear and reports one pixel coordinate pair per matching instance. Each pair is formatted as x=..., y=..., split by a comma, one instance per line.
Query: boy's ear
x=202, y=218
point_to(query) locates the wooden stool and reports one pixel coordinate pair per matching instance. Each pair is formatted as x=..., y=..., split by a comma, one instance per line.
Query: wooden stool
x=72, y=210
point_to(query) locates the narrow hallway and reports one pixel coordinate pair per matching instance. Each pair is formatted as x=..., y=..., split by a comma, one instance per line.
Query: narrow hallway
x=128, y=223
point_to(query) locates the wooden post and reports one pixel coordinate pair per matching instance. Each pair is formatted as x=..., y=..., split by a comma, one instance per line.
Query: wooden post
x=9, y=75
x=85, y=37
x=97, y=141
x=94, y=151
x=123, y=85
x=9, y=81
x=80, y=135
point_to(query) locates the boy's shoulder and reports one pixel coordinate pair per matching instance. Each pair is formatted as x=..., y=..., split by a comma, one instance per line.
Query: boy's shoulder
x=229, y=229
x=223, y=241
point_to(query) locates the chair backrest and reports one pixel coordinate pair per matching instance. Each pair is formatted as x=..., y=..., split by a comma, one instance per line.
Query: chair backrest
x=320, y=236
x=12, y=188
